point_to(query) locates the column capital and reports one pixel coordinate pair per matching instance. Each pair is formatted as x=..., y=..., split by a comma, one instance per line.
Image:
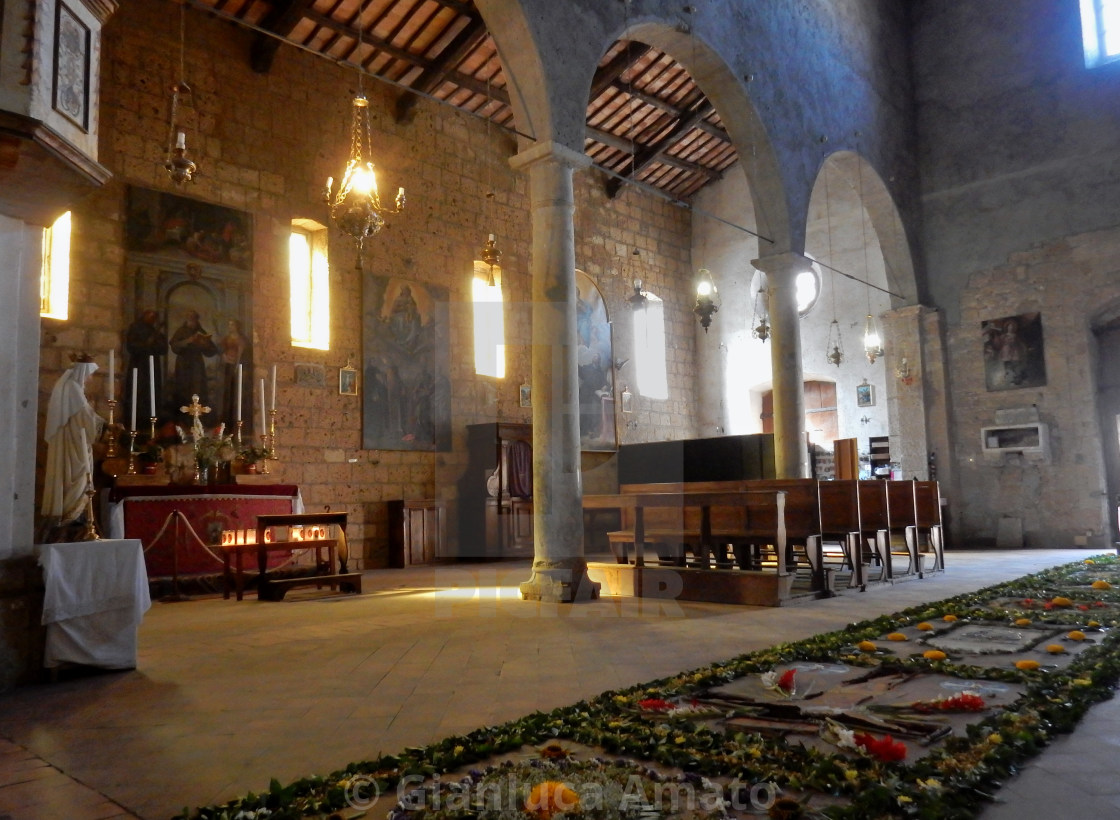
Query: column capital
x=554, y=151
x=780, y=264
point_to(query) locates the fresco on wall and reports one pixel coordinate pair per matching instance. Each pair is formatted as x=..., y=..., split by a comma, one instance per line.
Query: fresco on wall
x=188, y=317
x=1013, y=352
x=595, y=359
x=406, y=389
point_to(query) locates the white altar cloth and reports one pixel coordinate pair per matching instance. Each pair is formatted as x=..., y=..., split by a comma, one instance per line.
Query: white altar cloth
x=96, y=596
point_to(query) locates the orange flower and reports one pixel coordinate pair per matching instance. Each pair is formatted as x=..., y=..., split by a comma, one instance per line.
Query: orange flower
x=1055, y=648
x=1101, y=585
x=925, y=626
x=934, y=655
x=1076, y=635
x=1060, y=600
x=1027, y=665
x=549, y=798
x=1022, y=622
x=949, y=618
x=896, y=636
x=866, y=646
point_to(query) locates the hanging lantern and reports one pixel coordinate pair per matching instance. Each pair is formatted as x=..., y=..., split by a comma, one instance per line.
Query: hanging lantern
x=834, y=351
x=707, y=298
x=872, y=339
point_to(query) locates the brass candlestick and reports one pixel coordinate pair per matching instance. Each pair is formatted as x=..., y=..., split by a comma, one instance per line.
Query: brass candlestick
x=271, y=447
x=90, y=533
x=264, y=446
x=112, y=452
x=152, y=419
x=237, y=433
x=132, y=452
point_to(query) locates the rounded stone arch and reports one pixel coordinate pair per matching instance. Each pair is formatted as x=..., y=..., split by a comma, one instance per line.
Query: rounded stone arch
x=715, y=78
x=883, y=217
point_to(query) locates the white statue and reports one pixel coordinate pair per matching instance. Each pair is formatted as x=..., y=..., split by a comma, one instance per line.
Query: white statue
x=71, y=429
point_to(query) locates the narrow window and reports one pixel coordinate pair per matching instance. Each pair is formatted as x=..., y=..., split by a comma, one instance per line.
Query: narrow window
x=310, y=285
x=1100, y=31
x=54, y=278
x=489, y=322
x=649, y=348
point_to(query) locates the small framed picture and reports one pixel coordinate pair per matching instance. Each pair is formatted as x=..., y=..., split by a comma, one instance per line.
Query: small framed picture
x=627, y=400
x=348, y=381
x=526, y=395
x=865, y=394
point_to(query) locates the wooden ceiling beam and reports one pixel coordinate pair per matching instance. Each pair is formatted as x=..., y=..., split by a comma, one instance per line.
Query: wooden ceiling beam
x=280, y=21
x=376, y=42
x=607, y=75
x=649, y=153
x=619, y=144
x=470, y=37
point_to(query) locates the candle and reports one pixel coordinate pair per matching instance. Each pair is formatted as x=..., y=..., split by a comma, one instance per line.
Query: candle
x=152, y=383
x=134, y=377
x=273, y=405
x=181, y=140
x=112, y=374
x=264, y=427
x=238, y=418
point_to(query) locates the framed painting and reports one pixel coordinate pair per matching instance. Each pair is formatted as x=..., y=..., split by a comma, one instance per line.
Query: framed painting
x=348, y=381
x=1013, y=352
x=406, y=389
x=525, y=395
x=865, y=395
x=595, y=361
x=71, y=66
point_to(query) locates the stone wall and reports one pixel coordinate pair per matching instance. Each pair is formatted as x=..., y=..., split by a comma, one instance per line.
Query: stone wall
x=266, y=144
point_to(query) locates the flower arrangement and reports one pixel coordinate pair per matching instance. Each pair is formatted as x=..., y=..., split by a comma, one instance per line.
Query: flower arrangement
x=214, y=449
x=254, y=455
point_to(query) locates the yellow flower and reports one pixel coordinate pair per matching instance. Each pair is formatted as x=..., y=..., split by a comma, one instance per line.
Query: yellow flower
x=903, y=799
x=1022, y=622
x=1076, y=635
x=1093, y=623
x=1090, y=561
x=679, y=739
x=949, y=618
x=925, y=626
x=458, y=750
x=995, y=738
x=1082, y=682
x=1101, y=585
x=934, y=655
x=1060, y=600
x=896, y=636
x=1055, y=649
x=866, y=646
x=851, y=775
x=933, y=784
x=549, y=798
x=1027, y=665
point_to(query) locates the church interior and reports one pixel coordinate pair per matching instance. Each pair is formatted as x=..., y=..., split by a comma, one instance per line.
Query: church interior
x=876, y=240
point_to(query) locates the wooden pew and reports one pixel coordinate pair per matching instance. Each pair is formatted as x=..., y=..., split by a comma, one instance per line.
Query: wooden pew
x=842, y=520
x=927, y=511
x=903, y=517
x=698, y=519
x=875, y=522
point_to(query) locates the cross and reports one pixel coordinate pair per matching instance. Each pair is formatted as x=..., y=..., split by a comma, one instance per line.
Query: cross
x=196, y=410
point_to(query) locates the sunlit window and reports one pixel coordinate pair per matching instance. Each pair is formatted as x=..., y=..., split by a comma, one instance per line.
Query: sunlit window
x=1100, y=31
x=649, y=348
x=808, y=288
x=310, y=285
x=489, y=322
x=54, y=278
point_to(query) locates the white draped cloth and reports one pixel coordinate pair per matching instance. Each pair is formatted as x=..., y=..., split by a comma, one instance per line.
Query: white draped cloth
x=72, y=427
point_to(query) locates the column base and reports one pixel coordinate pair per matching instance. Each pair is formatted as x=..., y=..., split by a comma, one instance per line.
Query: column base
x=560, y=582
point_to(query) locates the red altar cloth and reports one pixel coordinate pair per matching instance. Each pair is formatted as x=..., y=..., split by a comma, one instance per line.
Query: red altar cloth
x=143, y=511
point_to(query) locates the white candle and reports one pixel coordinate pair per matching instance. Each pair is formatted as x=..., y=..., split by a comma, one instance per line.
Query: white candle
x=112, y=374
x=181, y=140
x=152, y=383
x=135, y=375
x=264, y=427
x=273, y=405
x=238, y=418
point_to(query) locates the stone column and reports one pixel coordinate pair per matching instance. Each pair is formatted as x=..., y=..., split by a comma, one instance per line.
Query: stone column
x=559, y=567
x=790, y=452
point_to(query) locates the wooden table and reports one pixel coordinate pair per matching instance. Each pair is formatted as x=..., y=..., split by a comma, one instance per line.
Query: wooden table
x=236, y=573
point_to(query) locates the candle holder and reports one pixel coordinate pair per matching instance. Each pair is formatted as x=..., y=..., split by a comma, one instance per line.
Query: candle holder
x=90, y=533
x=264, y=461
x=112, y=452
x=152, y=419
x=132, y=452
x=237, y=433
x=271, y=447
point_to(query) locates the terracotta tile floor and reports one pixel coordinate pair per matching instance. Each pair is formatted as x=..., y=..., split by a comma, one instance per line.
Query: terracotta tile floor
x=228, y=694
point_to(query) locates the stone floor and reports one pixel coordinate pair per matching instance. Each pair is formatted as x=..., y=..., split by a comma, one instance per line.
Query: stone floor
x=228, y=695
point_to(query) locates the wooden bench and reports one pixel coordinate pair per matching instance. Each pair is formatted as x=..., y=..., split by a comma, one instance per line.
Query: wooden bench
x=903, y=527
x=927, y=519
x=274, y=589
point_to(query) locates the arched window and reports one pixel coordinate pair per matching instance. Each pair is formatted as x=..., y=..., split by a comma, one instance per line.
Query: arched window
x=1100, y=31
x=489, y=321
x=54, y=277
x=649, y=348
x=310, y=285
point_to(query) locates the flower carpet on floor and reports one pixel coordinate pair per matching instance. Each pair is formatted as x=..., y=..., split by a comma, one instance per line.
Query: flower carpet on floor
x=917, y=714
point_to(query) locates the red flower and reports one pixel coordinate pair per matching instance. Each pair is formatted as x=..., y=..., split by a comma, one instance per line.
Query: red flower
x=965, y=702
x=785, y=682
x=1047, y=605
x=886, y=748
x=1099, y=603
x=655, y=705
x=1083, y=607
x=1028, y=602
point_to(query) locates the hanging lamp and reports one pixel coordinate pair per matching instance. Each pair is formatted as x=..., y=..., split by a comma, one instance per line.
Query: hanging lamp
x=834, y=347
x=872, y=337
x=180, y=167
x=760, y=321
x=707, y=298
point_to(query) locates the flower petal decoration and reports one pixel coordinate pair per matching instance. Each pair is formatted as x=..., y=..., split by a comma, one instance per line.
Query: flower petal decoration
x=1022, y=622
x=897, y=636
x=950, y=618
x=786, y=682
x=866, y=646
x=885, y=748
x=1076, y=635
x=1027, y=665
x=549, y=798
x=925, y=626
x=1061, y=600
x=1055, y=648
x=934, y=655
x=1101, y=584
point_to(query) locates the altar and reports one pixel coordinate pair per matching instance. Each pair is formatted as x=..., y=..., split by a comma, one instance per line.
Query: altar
x=188, y=543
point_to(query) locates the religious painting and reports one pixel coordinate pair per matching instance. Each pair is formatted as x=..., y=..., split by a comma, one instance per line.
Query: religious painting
x=406, y=389
x=348, y=381
x=525, y=395
x=865, y=394
x=189, y=318
x=71, y=66
x=1013, y=352
x=595, y=368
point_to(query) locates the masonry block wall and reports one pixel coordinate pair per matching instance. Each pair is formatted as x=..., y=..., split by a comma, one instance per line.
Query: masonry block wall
x=265, y=144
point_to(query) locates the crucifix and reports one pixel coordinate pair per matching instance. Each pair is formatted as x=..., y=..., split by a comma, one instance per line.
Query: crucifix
x=195, y=410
